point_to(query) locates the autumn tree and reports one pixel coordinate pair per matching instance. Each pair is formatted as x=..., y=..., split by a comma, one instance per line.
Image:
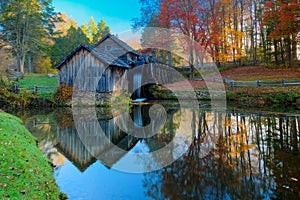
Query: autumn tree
x=24, y=24
x=282, y=23
x=189, y=18
x=90, y=29
x=149, y=14
x=102, y=30
x=231, y=45
x=64, y=24
x=230, y=30
x=94, y=31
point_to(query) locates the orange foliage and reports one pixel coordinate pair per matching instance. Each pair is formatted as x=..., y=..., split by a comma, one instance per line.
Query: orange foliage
x=64, y=93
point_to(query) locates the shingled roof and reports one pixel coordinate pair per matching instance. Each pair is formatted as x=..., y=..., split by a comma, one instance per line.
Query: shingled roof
x=122, y=44
x=108, y=58
x=105, y=57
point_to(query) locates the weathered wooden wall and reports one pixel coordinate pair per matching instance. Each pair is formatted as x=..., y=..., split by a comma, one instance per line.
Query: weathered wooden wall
x=86, y=70
x=84, y=61
x=110, y=79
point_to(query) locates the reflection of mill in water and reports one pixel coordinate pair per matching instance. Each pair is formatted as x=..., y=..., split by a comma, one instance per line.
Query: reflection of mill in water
x=137, y=82
x=71, y=144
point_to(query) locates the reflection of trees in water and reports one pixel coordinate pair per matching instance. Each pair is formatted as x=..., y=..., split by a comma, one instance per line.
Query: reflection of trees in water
x=166, y=133
x=280, y=146
x=43, y=127
x=56, y=131
x=256, y=157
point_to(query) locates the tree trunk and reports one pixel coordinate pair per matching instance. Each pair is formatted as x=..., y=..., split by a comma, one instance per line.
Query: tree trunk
x=276, y=52
x=191, y=61
x=258, y=20
x=256, y=31
x=20, y=63
x=252, y=56
x=294, y=51
x=281, y=51
x=242, y=30
x=30, y=64
x=264, y=45
x=288, y=51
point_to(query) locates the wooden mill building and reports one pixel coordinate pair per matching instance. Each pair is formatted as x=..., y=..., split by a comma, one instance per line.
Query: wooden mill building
x=110, y=58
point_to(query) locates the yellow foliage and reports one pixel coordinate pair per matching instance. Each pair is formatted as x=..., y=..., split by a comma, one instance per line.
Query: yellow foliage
x=246, y=147
x=233, y=154
x=227, y=124
x=232, y=42
x=44, y=66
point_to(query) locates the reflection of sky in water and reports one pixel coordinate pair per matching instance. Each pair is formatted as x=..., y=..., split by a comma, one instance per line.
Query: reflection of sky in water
x=140, y=147
x=126, y=161
x=99, y=182
x=255, y=163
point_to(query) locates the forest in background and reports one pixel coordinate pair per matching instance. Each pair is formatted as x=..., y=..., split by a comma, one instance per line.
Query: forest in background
x=231, y=31
x=35, y=38
x=235, y=31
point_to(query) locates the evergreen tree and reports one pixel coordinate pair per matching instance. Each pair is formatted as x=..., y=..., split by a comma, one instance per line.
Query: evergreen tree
x=66, y=44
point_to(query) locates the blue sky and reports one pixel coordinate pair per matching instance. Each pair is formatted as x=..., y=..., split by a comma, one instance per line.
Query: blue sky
x=116, y=13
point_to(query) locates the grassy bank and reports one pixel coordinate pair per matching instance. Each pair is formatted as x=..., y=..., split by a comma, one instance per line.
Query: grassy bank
x=24, y=172
x=40, y=80
x=243, y=96
x=45, y=97
x=265, y=96
x=246, y=96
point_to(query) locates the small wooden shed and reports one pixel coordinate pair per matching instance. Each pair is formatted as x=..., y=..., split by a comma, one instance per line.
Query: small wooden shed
x=110, y=58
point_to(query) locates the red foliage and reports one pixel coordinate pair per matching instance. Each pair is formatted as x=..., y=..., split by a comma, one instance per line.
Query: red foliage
x=184, y=16
x=282, y=18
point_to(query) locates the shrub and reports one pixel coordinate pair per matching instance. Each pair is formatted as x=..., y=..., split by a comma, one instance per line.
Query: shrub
x=64, y=93
x=6, y=84
x=7, y=97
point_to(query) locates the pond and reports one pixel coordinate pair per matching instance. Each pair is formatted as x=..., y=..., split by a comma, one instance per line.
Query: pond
x=233, y=154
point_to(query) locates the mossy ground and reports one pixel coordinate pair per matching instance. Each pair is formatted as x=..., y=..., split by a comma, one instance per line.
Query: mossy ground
x=24, y=172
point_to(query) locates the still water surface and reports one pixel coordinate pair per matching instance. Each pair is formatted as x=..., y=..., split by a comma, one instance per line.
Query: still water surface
x=251, y=155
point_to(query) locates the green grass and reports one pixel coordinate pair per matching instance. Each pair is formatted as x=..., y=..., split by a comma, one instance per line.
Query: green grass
x=30, y=81
x=24, y=172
